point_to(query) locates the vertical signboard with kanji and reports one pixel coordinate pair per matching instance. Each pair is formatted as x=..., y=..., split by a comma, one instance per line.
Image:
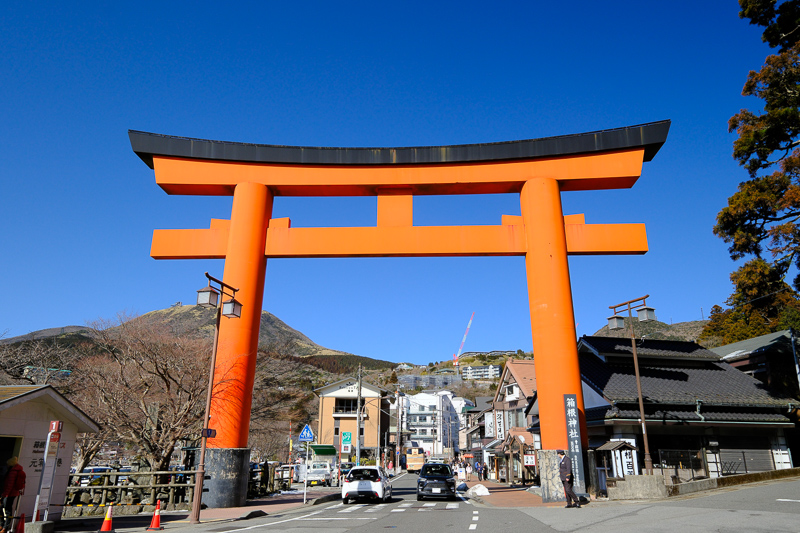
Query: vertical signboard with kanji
x=574, y=440
x=42, y=502
x=498, y=419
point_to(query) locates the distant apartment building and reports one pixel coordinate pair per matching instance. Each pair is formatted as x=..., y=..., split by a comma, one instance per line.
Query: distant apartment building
x=436, y=381
x=480, y=372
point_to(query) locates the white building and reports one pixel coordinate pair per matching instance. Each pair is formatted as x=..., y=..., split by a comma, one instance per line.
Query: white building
x=26, y=413
x=480, y=372
x=461, y=405
x=432, y=420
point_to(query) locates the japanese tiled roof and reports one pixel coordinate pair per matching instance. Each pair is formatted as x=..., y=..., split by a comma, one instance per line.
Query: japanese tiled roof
x=482, y=403
x=676, y=381
x=647, y=348
x=674, y=415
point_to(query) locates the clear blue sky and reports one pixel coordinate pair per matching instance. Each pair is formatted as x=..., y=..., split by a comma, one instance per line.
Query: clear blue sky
x=79, y=208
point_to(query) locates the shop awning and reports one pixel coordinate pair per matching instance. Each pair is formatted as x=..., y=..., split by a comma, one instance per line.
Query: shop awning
x=323, y=449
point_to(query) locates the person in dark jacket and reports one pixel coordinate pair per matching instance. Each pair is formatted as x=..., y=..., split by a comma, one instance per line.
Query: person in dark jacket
x=567, y=478
x=13, y=486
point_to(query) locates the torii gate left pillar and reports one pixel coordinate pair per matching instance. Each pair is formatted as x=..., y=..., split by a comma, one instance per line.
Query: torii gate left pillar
x=539, y=170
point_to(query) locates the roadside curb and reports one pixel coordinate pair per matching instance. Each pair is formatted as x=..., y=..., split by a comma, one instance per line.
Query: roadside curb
x=326, y=499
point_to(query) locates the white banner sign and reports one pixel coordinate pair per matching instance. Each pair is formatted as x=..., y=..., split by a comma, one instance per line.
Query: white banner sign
x=498, y=419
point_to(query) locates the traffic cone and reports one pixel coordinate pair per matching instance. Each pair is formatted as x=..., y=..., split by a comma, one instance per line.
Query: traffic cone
x=21, y=524
x=107, y=522
x=155, y=524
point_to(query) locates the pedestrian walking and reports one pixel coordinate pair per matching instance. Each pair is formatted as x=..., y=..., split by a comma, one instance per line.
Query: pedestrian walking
x=485, y=471
x=567, y=478
x=13, y=486
x=469, y=472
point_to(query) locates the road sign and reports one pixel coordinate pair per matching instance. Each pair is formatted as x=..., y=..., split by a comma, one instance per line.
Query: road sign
x=306, y=435
x=345, y=447
x=347, y=437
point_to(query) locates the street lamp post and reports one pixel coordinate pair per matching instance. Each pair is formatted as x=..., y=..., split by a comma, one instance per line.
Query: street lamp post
x=209, y=297
x=617, y=322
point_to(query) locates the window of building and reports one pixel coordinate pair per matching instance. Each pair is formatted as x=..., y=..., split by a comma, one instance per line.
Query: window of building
x=347, y=405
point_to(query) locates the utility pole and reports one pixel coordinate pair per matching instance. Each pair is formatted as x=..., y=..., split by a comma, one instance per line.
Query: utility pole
x=358, y=420
x=398, y=444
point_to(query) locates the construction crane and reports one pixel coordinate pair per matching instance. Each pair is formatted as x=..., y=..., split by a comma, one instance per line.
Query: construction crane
x=460, y=348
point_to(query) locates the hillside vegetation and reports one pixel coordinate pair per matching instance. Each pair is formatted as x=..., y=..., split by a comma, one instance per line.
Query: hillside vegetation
x=680, y=331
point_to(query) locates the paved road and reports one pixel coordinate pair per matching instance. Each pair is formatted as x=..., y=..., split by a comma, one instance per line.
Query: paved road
x=762, y=507
x=403, y=513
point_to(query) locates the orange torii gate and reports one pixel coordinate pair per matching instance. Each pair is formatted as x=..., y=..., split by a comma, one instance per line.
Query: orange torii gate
x=539, y=170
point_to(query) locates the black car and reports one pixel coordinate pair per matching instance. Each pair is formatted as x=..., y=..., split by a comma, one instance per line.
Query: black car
x=436, y=480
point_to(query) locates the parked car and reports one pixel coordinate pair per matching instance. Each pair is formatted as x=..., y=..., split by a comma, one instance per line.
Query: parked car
x=366, y=482
x=319, y=476
x=85, y=481
x=345, y=468
x=300, y=473
x=283, y=476
x=436, y=480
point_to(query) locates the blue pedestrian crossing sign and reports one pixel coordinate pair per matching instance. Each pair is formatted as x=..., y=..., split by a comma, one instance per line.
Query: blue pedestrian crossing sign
x=306, y=435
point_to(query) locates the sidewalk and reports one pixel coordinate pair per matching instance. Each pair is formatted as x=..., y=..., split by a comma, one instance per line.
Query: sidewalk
x=180, y=519
x=502, y=495
x=272, y=505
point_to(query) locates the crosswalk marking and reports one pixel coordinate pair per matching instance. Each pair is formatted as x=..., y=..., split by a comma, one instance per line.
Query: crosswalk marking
x=368, y=508
x=376, y=508
x=353, y=508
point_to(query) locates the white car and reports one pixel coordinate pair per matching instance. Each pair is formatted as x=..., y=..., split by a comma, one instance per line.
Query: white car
x=366, y=482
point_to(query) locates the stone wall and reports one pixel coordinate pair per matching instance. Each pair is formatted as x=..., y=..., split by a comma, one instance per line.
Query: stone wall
x=638, y=488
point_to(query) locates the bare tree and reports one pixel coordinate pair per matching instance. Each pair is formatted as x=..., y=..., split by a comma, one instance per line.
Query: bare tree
x=145, y=385
x=37, y=361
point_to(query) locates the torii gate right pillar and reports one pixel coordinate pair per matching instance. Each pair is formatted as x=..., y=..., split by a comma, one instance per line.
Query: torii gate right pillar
x=550, y=300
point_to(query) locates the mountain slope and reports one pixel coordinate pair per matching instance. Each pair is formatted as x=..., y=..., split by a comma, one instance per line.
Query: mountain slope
x=680, y=331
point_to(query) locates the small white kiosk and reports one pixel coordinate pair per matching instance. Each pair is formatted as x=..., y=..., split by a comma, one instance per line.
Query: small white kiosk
x=26, y=413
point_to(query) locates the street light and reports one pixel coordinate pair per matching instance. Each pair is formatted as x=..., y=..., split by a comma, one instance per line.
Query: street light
x=617, y=322
x=208, y=297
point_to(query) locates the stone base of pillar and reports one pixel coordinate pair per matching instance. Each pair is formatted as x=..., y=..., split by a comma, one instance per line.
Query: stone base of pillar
x=229, y=469
x=552, y=488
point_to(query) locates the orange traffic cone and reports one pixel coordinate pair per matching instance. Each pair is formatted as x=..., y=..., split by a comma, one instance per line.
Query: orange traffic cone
x=107, y=522
x=21, y=524
x=155, y=524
